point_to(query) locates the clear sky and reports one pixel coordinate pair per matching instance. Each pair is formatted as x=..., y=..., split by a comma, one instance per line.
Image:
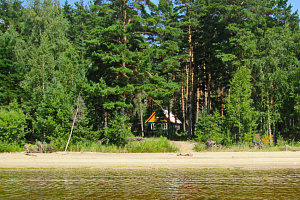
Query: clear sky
x=295, y=4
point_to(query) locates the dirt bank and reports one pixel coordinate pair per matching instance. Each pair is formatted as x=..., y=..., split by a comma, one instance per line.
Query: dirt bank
x=245, y=160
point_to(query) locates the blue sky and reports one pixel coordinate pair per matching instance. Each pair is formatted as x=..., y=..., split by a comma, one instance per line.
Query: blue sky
x=295, y=3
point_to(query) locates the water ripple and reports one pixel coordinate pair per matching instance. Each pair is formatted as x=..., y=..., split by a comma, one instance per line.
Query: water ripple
x=148, y=184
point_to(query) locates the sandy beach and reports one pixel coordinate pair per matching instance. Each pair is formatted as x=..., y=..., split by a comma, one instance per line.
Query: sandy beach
x=231, y=160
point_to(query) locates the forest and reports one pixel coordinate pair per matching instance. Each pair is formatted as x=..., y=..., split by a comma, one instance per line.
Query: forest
x=227, y=69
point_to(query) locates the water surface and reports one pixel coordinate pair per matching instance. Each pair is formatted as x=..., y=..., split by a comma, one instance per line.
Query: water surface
x=148, y=184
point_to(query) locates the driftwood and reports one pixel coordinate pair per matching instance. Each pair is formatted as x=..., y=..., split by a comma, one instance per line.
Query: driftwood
x=184, y=154
x=29, y=154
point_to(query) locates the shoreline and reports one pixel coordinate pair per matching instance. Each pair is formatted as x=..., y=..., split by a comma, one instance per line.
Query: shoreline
x=199, y=160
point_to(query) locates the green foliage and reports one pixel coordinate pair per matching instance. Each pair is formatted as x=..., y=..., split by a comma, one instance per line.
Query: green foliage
x=241, y=117
x=209, y=126
x=12, y=123
x=247, y=148
x=11, y=72
x=200, y=147
x=190, y=57
x=161, y=145
x=118, y=130
x=10, y=147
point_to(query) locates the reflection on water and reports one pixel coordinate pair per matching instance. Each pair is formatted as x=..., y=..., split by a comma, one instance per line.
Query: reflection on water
x=148, y=184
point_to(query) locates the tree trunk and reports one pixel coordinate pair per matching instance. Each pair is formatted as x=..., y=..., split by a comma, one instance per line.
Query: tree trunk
x=205, y=88
x=183, y=102
x=209, y=93
x=269, y=119
x=191, y=60
x=105, y=122
x=222, y=104
x=141, y=116
x=198, y=105
x=169, y=124
x=73, y=123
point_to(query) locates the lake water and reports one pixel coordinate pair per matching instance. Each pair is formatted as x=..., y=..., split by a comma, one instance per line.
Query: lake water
x=148, y=184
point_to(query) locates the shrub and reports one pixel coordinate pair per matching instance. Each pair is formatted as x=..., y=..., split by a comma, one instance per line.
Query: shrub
x=160, y=145
x=151, y=146
x=10, y=147
x=118, y=130
x=12, y=123
x=209, y=126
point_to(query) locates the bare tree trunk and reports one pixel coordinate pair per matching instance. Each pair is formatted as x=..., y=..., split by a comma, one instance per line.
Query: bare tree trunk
x=209, y=92
x=73, y=123
x=198, y=105
x=190, y=127
x=105, y=122
x=191, y=55
x=182, y=102
x=190, y=114
x=269, y=119
x=205, y=88
x=141, y=116
x=222, y=104
x=169, y=124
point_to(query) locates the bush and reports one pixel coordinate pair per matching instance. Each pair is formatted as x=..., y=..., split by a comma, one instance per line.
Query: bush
x=118, y=130
x=200, y=147
x=12, y=123
x=10, y=147
x=151, y=146
x=209, y=126
x=160, y=145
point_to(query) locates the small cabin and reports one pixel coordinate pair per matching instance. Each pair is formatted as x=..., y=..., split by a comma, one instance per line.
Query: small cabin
x=158, y=123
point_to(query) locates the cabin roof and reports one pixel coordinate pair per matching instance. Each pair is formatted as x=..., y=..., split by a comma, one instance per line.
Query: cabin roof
x=152, y=117
x=172, y=117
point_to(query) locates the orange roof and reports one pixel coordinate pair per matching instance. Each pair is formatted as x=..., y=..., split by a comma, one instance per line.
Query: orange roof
x=151, y=118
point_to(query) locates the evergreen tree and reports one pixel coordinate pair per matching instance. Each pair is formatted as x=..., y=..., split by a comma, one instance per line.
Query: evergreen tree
x=117, y=47
x=11, y=72
x=53, y=80
x=241, y=115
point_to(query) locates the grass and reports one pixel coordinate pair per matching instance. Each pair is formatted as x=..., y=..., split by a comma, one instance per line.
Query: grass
x=150, y=145
x=161, y=145
x=240, y=148
x=10, y=147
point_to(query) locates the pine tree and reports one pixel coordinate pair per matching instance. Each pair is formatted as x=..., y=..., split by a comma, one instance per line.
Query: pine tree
x=241, y=115
x=54, y=77
x=11, y=73
x=117, y=47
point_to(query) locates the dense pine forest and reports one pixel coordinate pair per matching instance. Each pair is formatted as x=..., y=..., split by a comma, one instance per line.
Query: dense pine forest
x=227, y=69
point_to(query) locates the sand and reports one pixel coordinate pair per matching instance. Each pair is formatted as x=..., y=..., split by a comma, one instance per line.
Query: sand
x=199, y=160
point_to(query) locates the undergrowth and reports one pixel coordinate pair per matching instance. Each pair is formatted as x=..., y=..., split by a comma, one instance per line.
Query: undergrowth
x=10, y=147
x=240, y=148
x=152, y=145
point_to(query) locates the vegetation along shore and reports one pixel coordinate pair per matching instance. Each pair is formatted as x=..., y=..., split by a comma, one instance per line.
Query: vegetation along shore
x=134, y=76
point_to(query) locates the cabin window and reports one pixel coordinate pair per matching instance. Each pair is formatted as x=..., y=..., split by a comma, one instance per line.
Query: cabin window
x=165, y=126
x=152, y=126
